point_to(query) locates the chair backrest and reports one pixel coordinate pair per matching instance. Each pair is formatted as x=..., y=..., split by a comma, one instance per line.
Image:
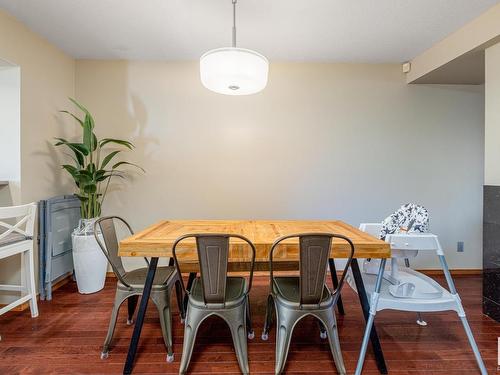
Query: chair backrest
x=17, y=220
x=314, y=253
x=106, y=227
x=213, y=257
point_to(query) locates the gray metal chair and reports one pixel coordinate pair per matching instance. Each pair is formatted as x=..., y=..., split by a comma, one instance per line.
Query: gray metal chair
x=295, y=297
x=214, y=293
x=130, y=285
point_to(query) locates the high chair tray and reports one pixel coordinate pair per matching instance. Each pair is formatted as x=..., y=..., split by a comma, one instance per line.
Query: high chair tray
x=432, y=296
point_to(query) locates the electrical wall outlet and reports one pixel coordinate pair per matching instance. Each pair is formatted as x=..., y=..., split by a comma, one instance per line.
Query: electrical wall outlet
x=460, y=247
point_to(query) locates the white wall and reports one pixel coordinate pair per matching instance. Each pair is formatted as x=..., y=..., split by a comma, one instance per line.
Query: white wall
x=10, y=125
x=492, y=116
x=325, y=141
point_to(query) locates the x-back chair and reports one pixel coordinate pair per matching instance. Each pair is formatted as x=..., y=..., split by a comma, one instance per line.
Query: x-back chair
x=130, y=285
x=17, y=238
x=215, y=293
x=295, y=297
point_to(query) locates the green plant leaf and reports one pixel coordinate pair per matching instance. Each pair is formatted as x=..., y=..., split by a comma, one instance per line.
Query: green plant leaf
x=80, y=147
x=75, y=147
x=73, y=172
x=72, y=158
x=84, y=110
x=90, y=168
x=74, y=116
x=87, y=133
x=121, y=142
x=104, y=177
x=90, y=188
x=99, y=173
x=108, y=158
x=95, y=142
x=85, y=172
x=114, y=174
x=127, y=163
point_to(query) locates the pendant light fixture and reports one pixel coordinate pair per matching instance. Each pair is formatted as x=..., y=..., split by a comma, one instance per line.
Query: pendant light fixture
x=233, y=70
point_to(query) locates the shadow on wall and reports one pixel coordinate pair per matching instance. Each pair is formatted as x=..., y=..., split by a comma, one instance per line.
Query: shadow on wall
x=133, y=123
x=119, y=113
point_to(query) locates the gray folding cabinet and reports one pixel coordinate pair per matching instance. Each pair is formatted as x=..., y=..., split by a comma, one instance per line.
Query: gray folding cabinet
x=57, y=218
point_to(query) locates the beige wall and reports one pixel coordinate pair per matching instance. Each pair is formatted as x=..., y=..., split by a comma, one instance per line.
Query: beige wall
x=492, y=117
x=478, y=34
x=324, y=141
x=47, y=79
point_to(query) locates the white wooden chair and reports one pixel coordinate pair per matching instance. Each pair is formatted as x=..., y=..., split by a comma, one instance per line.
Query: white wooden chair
x=401, y=288
x=15, y=239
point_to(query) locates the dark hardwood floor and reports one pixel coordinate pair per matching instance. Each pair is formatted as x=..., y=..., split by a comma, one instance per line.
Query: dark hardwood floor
x=67, y=336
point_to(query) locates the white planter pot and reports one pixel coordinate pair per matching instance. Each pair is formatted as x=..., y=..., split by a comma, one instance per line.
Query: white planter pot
x=89, y=261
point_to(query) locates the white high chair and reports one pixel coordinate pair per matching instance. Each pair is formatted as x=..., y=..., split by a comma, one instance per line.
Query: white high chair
x=18, y=239
x=401, y=288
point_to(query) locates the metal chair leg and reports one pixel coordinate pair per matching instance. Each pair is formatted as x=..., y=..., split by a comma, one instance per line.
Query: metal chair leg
x=335, y=282
x=119, y=298
x=239, y=334
x=248, y=320
x=268, y=320
x=333, y=339
x=191, y=277
x=132, y=304
x=322, y=330
x=284, y=330
x=165, y=322
x=179, y=297
x=194, y=317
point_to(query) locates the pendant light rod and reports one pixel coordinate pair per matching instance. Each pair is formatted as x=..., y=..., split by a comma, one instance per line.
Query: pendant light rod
x=234, y=23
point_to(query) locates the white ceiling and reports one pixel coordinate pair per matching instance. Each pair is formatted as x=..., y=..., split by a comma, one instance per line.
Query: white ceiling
x=297, y=30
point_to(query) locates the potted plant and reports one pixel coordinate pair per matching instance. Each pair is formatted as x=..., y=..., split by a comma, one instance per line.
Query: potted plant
x=92, y=170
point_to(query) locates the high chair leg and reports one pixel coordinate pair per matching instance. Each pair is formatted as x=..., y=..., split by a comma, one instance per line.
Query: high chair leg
x=371, y=318
x=473, y=345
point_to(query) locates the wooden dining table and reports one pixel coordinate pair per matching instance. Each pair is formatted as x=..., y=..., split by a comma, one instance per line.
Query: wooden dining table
x=156, y=241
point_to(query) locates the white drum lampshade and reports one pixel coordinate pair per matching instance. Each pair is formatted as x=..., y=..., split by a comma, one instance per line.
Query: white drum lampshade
x=234, y=71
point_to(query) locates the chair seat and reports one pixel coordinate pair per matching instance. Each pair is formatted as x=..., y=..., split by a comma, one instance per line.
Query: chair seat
x=235, y=292
x=12, y=238
x=137, y=278
x=287, y=291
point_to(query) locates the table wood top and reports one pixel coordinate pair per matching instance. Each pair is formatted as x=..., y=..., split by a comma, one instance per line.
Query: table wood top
x=157, y=240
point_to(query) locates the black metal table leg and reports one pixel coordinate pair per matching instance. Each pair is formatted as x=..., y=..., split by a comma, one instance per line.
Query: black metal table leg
x=129, y=363
x=335, y=281
x=363, y=299
x=192, y=276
